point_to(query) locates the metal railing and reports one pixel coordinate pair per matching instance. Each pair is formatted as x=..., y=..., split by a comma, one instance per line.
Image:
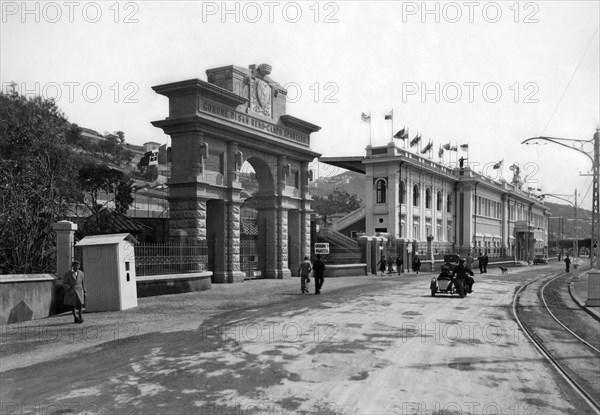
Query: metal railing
x=160, y=259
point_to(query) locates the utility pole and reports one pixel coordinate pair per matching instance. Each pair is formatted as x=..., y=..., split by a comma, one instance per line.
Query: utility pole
x=576, y=240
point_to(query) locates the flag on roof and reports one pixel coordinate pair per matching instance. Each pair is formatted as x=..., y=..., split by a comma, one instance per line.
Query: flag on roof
x=365, y=117
x=447, y=146
x=401, y=134
x=427, y=147
x=415, y=140
x=453, y=148
x=464, y=147
x=441, y=152
x=499, y=164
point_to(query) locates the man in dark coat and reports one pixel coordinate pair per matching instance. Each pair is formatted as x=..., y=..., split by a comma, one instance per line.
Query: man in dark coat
x=416, y=265
x=567, y=263
x=73, y=283
x=399, y=265
x=463, y=281
x=485, y=260
x=319, y=270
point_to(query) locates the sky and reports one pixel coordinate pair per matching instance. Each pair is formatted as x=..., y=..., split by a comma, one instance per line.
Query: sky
x=490, y=74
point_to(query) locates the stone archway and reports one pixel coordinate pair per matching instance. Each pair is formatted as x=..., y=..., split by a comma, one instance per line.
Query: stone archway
x=238, y=115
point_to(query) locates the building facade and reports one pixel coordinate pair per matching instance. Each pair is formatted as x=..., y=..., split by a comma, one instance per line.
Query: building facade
x=436, y=209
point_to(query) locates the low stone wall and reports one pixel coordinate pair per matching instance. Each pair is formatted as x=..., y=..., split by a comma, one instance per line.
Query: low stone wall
x=345, y=270
x=26, y=297
x=150, y=286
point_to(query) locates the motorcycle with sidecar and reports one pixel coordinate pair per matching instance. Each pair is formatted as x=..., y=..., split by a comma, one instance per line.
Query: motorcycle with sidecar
x=445, y=283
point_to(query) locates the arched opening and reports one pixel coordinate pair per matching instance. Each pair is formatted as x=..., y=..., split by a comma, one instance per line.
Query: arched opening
x=258, y=189
x=402, y=192
x=439, y=201
x=449, y=204
x=428, y=198
x=380, y=191
x=416, y=195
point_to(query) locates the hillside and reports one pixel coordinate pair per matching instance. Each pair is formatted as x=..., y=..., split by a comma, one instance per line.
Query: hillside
x=353, y=183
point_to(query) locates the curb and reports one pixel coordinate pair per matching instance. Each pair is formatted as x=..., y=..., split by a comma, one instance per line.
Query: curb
x=595, y=314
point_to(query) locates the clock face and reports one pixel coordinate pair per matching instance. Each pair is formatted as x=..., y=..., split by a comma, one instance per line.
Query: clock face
x=261, y=97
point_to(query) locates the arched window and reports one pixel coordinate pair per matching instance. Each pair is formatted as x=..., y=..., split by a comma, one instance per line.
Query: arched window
x=402, y=192
x=428, y=199
x=381, y=188
x=439, y=201
x=449, y=204
x=416, y=195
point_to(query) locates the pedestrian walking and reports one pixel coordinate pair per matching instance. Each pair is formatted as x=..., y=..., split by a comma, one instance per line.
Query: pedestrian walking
x=390, y=265
x=319, y=270
x=567, y=263
x=486, y=259
x=416, y=265
x=304, y=272
x=399, y=265
x=469, y=260
x=75, y=294
x=480, y=260
x=382, y=264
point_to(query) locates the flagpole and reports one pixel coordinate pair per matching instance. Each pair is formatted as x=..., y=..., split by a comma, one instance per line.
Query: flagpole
x=393, y=126
x=370, y=131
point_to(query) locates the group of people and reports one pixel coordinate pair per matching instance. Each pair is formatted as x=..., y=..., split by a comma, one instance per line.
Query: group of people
x=388, y=264
x=318, y=270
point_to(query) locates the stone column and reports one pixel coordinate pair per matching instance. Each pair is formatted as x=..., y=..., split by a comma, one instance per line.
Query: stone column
x=304, y=211
x=269, y=250
x=234, y=274
x=187, y=219
x=65, y=238
x=283, y=270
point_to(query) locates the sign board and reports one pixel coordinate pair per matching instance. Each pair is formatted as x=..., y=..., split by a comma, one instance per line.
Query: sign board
x=409, y=249
x=322, y=248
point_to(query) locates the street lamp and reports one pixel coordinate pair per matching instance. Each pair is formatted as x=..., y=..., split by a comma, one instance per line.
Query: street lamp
x=582, y=146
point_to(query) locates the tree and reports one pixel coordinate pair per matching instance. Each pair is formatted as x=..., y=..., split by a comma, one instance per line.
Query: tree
x=338, y=201
x=36, y=181
x=95, y=179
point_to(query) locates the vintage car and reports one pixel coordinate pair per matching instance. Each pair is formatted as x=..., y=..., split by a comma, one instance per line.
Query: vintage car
x=540, y=259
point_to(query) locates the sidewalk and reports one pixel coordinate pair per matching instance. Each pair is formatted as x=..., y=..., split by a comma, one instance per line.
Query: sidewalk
x=579, y=291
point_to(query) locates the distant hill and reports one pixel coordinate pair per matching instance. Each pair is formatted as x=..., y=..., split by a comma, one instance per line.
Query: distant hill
x=567, y=212
x=353, y=183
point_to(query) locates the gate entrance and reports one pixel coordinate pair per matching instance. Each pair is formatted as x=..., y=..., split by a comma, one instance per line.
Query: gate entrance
x=239, y=116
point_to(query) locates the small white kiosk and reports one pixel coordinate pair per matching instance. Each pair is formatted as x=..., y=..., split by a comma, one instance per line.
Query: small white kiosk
x=109, y=267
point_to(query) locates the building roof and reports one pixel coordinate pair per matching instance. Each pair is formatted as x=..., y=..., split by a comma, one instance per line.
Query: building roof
x=111, y=222
x=106, y=239
x=353, y=163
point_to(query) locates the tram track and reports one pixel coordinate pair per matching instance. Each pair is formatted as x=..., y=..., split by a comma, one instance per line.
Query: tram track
x=565, y=350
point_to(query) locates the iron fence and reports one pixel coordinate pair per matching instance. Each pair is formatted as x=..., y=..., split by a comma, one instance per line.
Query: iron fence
x=160, y=259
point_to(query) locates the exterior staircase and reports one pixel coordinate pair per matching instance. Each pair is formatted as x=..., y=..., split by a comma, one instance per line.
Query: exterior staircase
x=337, y=239
x=349, y=219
